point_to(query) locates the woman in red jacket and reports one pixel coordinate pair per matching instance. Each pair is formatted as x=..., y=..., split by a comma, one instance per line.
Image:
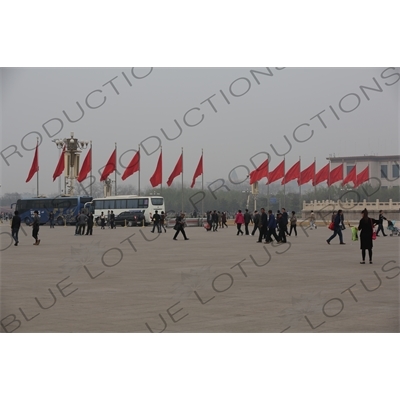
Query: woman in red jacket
x=239, y=220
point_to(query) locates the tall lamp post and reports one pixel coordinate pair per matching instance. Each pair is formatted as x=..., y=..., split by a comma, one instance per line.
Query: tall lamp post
x=73, y=148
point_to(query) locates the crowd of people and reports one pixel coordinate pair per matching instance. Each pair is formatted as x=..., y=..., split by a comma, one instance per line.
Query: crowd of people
x=266, y=225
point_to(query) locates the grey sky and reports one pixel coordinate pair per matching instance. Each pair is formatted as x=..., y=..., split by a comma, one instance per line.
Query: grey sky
x=230, y=137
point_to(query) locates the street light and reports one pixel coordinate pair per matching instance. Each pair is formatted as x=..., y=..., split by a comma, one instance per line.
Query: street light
x=72, y=150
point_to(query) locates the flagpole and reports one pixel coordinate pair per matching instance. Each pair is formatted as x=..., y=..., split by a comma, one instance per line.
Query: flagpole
x=182, y=179
x=202, y=186
x=115, y=172
x=284, y=185
x=328, y=181
x=59, y=178
x=91, y=164
x=139, y=173
x=300, y=181
x=315, y=186
x=161, y=169
x=37, y=174
x=268, y=188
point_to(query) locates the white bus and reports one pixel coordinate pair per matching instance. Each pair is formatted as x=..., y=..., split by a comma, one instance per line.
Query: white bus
x=118, y=204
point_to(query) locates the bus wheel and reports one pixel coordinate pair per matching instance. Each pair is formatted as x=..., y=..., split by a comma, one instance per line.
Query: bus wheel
x=60, y=221
x=27, y=221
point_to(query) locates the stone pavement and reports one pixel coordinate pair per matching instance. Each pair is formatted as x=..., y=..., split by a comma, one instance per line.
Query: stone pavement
x=130, y=280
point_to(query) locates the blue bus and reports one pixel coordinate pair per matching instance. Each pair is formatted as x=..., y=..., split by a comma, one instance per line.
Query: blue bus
x=64, y=208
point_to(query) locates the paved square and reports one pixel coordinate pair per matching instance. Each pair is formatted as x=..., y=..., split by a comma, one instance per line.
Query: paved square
x=132, y=280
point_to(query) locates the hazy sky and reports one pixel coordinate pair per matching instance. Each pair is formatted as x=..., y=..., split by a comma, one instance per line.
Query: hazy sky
x=258, y=116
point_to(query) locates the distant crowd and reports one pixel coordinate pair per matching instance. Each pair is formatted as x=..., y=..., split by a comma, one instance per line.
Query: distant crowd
x=266, y=225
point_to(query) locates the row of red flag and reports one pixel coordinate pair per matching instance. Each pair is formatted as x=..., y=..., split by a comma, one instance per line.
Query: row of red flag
x=308, y=174
x=133, y=166
x=295, y=172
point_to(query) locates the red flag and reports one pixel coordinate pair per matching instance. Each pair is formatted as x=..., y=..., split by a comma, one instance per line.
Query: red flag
x=336, y=175
x=132, y=167
x=293, y=173
x=198, y=172
x=110, y=167
x=307, y=174
x=60, y=166
x=177, y=170
x=363, y=176
x=259, y=173
x=351, y=177
x=86, y=166
x=156, y=179
x=35, y=164
x=322, y=175
x=277, y=173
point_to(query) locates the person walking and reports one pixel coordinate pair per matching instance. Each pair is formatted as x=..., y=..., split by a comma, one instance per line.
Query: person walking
x=180, y=226
x=51, y=219
x=285, y=218
x=282, y=223
x=102, y=220
x=215, y=221
x=262, y=225
x=256, y=221
x=219, y=219
x=247, y=220
x=108, y=219
x=366, y=228
x=337, y=229
x=162, y=222
x=239, y=220
x=35, y=227
x=380, y=223
x=224, y=219
x=156, y=222
x=271, y=228
x=112, y=220
x=82, y=219
x=77, y=223
x=15, y=225
x=312, y=220
x=293, y=224
x=89, y=230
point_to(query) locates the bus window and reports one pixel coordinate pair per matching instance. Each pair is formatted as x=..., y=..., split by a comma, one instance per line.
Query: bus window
x=157, y=201
x=98, y=204
x=109, y=204
x=143, y=203
x=131, y=204
x=120, y=204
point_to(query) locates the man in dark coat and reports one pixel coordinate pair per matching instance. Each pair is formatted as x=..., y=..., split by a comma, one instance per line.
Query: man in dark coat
x=215, y=221
x=247, y=220
x=262, y=225
x=15, y=225
x=282, y=224
x=285, y=220
x=89, y=230
x=156, y=222
x=271, y=228
x=256, y=221
x=180, y=226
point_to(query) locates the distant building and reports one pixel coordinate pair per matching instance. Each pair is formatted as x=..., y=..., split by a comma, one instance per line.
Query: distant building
x=382, y=169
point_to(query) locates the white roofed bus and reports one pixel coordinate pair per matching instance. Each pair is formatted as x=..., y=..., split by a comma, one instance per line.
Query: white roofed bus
x=118, y=204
